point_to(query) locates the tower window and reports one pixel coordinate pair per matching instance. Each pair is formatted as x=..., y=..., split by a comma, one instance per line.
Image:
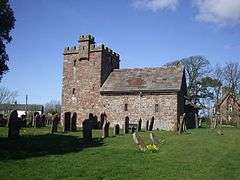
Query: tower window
x=125, y=107
x=156, y=108
x=73, y=91
x=74, y=62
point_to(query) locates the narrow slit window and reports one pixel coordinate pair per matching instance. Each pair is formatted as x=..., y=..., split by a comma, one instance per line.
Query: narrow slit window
x=73, y=91
x=74, y=63
x=156, y=108
x=125, y=107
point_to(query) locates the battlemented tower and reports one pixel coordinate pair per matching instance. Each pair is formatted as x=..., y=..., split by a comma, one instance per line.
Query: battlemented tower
x=85, y=69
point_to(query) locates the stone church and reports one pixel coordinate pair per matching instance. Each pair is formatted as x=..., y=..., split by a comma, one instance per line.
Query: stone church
x=94, y=85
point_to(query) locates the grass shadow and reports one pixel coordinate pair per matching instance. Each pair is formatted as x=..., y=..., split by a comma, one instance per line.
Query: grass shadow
x=41, y=145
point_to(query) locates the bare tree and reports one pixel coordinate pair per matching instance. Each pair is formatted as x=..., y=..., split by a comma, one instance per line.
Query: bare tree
x=232, y=76
x=53, y=107
x=7, y=96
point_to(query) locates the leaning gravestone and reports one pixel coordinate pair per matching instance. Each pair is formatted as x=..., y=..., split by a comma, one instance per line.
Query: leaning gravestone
x=13, y=125
x=139, y=142
x=154, y=140
x=87, y=130
x=116, y=130
x=55, y=123
x=105, y=129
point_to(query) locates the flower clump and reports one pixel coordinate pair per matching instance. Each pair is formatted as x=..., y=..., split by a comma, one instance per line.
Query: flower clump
x=152, y=148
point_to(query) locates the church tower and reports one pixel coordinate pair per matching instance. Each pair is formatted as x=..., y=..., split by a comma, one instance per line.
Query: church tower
x=85, y=69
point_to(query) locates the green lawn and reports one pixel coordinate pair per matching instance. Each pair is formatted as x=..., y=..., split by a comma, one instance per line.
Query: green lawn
x=202, y=154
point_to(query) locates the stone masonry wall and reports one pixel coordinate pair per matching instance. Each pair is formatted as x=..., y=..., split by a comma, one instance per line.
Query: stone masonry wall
x=144, y=108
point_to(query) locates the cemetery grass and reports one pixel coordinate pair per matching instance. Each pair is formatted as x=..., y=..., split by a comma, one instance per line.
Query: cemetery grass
x=200, y=154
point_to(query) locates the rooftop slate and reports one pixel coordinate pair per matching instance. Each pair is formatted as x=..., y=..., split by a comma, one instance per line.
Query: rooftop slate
x=158, y=79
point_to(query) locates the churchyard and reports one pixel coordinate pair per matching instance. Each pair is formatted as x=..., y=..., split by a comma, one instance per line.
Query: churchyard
x=197, y=154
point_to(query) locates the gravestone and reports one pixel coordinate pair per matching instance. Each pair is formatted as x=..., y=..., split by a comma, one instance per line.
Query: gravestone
x=43, y=120
x=55, y=122
x=126, y=125
x=151, y=124
x=133, y=129
x=139, y=125
x=3, y=121
x=105, y=129
x=74, y=122
x=67, y=121
x=13, y=125
x=116, y=130
x=182, y=124
x=87, y=130
x=38, y=121
x=139, y=142
x=154, y=140
x=23, y=121
x=147, y=125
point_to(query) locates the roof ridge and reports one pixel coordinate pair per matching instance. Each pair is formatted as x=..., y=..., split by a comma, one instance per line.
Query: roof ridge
x=150, y=68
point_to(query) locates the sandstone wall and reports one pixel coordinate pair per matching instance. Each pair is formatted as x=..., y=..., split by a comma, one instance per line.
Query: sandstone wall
x=144, y=108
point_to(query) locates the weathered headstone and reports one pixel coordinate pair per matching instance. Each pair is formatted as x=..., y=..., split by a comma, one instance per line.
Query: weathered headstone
x=23, y=121
x=139, y=142
x=55, y=122
x=126, y=126
x=13, y=125
x=43, y=120
x=3, y=121
x=116, y=130
x=154, y=140
x=105, y=129
x=181, y=125
x=133, y=129
x=147, y=125
x=87, y=130
x=74, y=122
x=139, y=125
x=67, y=121
x=38, y=121
x=151, y=124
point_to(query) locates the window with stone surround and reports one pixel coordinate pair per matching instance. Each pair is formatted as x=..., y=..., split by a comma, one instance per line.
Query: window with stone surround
x=125, y=107
x=156, y=108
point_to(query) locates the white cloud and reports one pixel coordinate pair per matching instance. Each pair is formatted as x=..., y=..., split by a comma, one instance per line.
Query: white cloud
x=156, y=5
x=218, y=11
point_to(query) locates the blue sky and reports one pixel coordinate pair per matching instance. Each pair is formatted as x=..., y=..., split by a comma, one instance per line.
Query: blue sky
x=144, y=32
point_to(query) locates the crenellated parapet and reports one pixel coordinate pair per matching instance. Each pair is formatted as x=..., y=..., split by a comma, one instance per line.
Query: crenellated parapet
x=91, y=47
x=103, y=48
x=71, y=50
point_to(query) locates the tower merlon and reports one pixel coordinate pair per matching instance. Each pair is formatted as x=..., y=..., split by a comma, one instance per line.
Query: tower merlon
x=88, y=37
